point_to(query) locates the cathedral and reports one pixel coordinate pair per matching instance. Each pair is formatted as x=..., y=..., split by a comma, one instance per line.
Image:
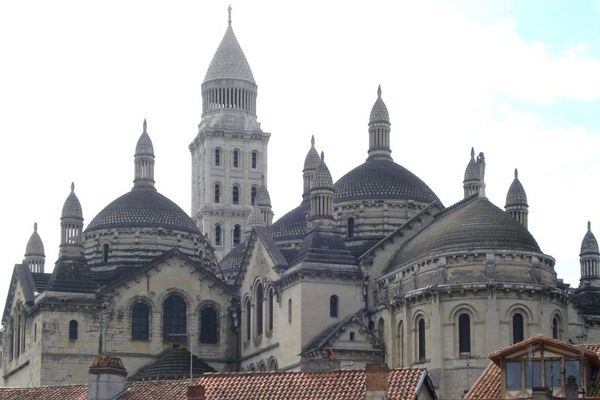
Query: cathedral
x=371, y=268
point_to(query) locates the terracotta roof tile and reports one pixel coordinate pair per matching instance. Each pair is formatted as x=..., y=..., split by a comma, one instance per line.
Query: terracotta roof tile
x=403, y=383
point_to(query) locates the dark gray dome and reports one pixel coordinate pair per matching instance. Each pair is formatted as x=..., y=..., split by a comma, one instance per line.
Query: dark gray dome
x=379, y=179
x=312, y=160
x=144, y=144
x=321, y=179
x=292, y=226
x=589, y=244
x=472, y=170
x=516, y=195
x=472, y=225
x=35, y=247
x=143, y=207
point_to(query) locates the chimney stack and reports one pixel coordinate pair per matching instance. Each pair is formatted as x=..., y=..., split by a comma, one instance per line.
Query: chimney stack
x=376, y=377
x=107, y=378
x=196, y=393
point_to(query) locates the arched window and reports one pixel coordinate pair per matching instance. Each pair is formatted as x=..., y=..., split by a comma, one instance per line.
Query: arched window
x=517, y=328
x=209, y=325
x=400, y=344
x=105, y=253
x=140, y=321
x=218, y=235
x=381, y=330
x=254, y=159
x=73, y=330
x=270, y=316
x=273, y=364
x=290, y=311
x=421, y=339
x=333, y=306
x=235, y=194
x=464, y=333
x=262, y=367
x=237, y=235
x=259, y=308
x=253, y=194
x=174, y=319
x=248, y=312
x=555, y=327
x=236, y=159
x=217, y=156
x=350, y=227
x=217, y=193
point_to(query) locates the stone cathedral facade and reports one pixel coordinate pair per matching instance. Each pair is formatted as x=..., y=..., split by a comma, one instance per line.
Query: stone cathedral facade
x=369, y=268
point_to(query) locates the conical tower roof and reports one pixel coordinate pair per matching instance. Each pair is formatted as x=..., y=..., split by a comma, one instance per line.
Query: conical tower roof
x=379, y=112
x=516, y=195
x=312, y=160
x=35, y=247
x=72, y=206
x=144, y=144
x=322, y=177
x=472, y=171
x=589, y=244
x=229, y=61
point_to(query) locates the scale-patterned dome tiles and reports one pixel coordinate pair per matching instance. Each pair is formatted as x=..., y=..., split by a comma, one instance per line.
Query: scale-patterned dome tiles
x=476, y=225
x=382, y=180
x=229, y=61
x=34, y=247
x=292, y=226
x=589, y=244
x=143, y=207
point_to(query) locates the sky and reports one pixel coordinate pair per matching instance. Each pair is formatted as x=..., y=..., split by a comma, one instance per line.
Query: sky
x=517, y=80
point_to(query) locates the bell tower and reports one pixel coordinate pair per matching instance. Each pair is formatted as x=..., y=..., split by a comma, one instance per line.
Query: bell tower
x=229, y=153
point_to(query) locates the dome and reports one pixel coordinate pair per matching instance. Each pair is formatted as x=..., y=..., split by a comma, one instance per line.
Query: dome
x=143, y=207
x=472, y=171
x=312, y=160
x=254, y=218
x=72, y=206
x=322, y=177
x=516, y=193
x=229, y=61
x=381, y=179
x=34, y=247
x=144, y=144
x=589, y=245
x=473, y=225
x=292, y=226
x=379, y=112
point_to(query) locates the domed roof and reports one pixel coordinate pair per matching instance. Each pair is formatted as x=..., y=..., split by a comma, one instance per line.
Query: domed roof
x=292, y=226
x=516, y=193
x=72, y=206
x=229, y=61
x=144, y=144
x=472, y=225
x=381, y=179
x=312, y=160
x=322, y=176
x=379, y=112
x=34, y=247
x=472, y=171
x=589, y=245
x=143, y=207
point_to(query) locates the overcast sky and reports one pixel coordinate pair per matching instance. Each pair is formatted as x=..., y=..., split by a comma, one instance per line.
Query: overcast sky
x=518, y=80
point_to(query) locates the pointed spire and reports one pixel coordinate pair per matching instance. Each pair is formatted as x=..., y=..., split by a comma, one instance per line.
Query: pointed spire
x=145, y=126
x=379, y=130
x=589, y=226
x=144, y=160
x=72, y=187
x=71, y=226
x=35, y=226
x=312, y=141
x=229, y=15
x=516, y=201
x=516, y=173
x=34, y=252
x=472, y=152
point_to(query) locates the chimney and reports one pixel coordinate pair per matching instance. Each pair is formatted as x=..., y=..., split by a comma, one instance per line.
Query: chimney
x=376, y=377
x=107, y=378
x=196, y=393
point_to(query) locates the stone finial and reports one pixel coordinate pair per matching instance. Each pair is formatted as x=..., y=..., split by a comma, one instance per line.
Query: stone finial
x=72, y=187
x=35, y=226
x=516, y=173
x=145, y=126
x=472, y=152
x=589, y=226
x=379, y=91
x=322, y=156
x=229, y=15
x=312, y=141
